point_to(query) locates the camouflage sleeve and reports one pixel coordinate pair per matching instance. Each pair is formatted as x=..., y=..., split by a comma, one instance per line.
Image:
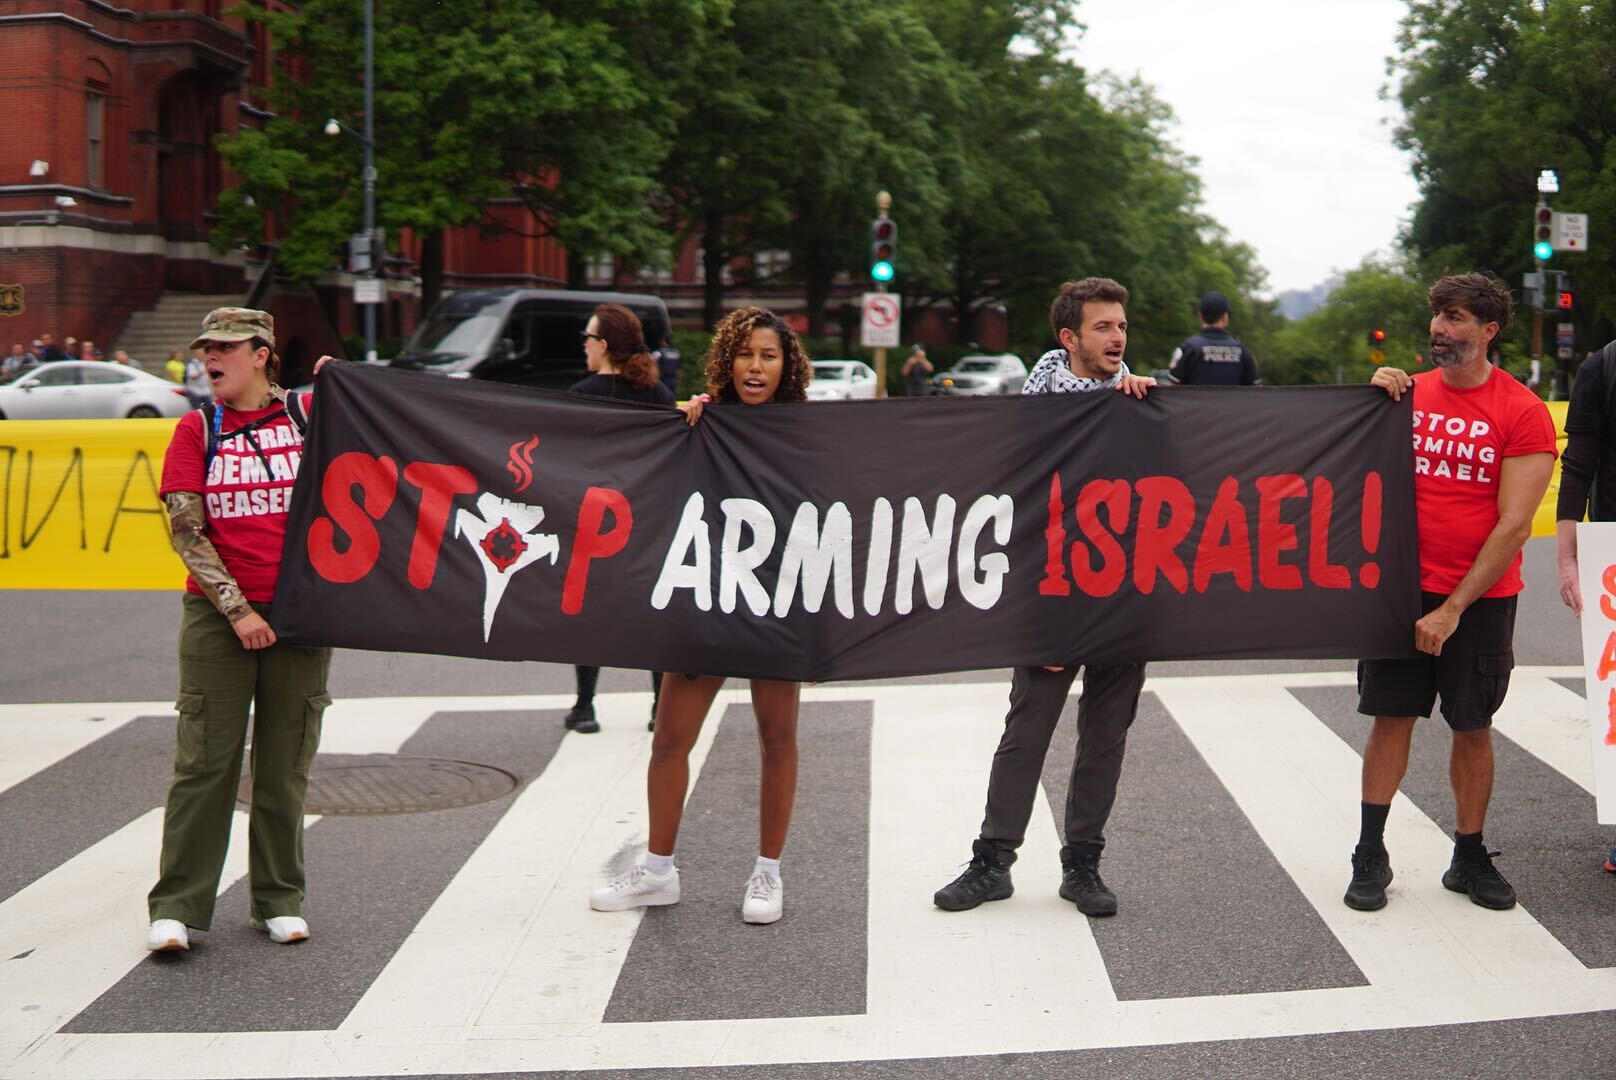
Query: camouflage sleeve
x=188, y=532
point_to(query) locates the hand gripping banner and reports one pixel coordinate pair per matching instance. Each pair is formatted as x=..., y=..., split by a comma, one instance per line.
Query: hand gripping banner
x=851, y=539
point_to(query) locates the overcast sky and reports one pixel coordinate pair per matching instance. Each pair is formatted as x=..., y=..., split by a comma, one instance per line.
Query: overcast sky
x=1280, y=101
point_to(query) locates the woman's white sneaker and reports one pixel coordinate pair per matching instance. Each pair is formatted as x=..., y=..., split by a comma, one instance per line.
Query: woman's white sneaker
x=167, y=935
x=634, y=888
x=283, y=929
x=765, y=899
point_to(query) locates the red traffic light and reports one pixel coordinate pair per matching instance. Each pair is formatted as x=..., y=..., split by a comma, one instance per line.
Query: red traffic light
x=882, y=229
x=1564, y=301
x=1377, y=335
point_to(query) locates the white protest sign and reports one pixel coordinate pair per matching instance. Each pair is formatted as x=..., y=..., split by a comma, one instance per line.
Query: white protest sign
x=1596, y=568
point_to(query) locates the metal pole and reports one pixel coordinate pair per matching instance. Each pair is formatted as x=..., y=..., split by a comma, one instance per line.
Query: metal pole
x=883, y=202
x=370, y=173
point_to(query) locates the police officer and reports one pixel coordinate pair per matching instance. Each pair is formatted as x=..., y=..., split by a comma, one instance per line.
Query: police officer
x=1214, y=357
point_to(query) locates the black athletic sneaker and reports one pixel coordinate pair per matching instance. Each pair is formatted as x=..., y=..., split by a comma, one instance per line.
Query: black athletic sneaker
x=1477, y=876
x=985, y=879
x=582, y=720
x=1371, y=873
x=1081, y=884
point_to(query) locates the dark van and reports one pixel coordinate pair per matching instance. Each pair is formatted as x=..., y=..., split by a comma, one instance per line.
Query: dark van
x=528, y=336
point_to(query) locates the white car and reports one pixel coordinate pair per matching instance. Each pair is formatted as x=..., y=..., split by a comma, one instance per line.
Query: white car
x=88, y=390
x=982, y=374
x=841, y=379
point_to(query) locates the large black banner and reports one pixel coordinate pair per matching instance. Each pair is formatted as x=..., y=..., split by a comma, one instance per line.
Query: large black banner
x=851, y=539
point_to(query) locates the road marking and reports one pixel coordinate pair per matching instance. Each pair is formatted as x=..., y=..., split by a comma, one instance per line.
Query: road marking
x=927, y=789
x=1550, y=723
x=35, y=737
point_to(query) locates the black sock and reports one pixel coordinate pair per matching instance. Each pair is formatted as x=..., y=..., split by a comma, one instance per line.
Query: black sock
x=1467, y=843
x=1372, y=833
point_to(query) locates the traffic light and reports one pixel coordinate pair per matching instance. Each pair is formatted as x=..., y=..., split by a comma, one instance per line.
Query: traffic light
x=1565, y=296
x=883, y=247
x=1542, y=233
x=1377, y=338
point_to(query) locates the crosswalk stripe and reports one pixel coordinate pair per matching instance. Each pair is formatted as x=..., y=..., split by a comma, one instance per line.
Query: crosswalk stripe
x=1299, y=786
x=35, y=737
x=931, y=752
x=79, y=929
x=501, y=943
x=1550, y=723
x=538, y=980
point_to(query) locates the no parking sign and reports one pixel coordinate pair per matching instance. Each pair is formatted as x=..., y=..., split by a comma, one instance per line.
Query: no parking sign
x=879, y=329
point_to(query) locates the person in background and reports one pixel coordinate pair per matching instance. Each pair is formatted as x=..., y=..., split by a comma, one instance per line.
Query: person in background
x=622, y=368
x=1587, y=474
x=174, y=367
x=668, y=363
x=1214, y=357
x=122, y=357
x=19, y=357
x=88, y=351
x=47, y=350
x=755, y=359
x=917, y=373
x=228, y=524
x=198, y=387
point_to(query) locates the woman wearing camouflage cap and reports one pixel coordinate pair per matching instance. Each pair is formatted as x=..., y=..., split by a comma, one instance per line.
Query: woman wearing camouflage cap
x=227, y=483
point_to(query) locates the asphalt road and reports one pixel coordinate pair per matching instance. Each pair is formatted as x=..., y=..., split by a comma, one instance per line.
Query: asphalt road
x=457, y=943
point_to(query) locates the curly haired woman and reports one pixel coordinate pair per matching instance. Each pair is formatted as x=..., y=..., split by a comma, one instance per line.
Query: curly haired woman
x=755, y=359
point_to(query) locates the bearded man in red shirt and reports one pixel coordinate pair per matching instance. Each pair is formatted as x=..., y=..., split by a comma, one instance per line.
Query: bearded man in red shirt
x=1484, y=448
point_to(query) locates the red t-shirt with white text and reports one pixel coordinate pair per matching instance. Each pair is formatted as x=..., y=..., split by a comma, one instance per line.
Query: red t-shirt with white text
x=1461, y=437
x=245, y=506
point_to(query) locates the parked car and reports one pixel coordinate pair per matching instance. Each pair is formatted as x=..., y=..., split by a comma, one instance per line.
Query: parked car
x=845, y=379
x=527, y=336
x=981, y=373
x=87, y=390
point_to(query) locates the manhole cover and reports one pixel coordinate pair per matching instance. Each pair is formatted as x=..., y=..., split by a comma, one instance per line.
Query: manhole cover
x=395, y=784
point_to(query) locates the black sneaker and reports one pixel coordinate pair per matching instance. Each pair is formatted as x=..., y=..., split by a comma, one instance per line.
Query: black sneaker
x=582, y=720
x=1477, y=876
x=1081, y=884
x=1371, y=873
x=985, y=879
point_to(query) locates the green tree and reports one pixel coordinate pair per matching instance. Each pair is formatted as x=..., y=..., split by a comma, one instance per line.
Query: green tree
x=554, y=102
x=1330, y=344
x=1492, y=90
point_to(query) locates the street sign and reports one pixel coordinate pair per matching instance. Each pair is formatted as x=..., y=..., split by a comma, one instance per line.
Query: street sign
x=367, y=290
x=1570, y=232
x=879, y=327
x=1376, y=356
x=1563, y=352
x=1565, y=333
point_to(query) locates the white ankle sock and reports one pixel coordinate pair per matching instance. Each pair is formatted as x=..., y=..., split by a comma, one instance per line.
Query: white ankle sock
x=767, y=866
x=660, y=865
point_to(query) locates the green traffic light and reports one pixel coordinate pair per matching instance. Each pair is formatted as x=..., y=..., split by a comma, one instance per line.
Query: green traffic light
x=881, y=271
x=1542, y=250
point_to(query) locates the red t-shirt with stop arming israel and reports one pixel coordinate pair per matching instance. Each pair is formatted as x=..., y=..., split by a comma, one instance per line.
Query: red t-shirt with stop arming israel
x=1461, y=437
x=245, y=505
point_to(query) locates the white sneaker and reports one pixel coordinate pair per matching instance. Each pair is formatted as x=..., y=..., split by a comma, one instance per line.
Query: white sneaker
x=765, y=899
x=283, y=929
x=636, y=887
x=168, y=935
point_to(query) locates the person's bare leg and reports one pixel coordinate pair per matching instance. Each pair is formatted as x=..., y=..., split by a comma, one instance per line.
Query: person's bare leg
x=680, y=712
x=775, y=704
x=1470, y=769
x=1385, y=758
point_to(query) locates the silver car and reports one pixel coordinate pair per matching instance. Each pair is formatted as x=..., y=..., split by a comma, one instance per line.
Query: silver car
x=997, y=373
x=848, y=379
x=88, y=390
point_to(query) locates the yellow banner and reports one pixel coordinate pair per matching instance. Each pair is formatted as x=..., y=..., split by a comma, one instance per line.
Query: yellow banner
x=80, y=510
x=79, y=507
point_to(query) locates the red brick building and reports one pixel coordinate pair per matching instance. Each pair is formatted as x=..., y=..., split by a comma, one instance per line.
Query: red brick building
x=109, y=178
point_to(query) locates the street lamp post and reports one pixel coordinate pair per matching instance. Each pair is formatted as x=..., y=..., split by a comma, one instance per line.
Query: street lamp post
x=368, y=139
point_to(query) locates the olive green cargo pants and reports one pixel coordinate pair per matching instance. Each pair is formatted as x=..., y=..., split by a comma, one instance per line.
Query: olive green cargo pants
x=284, y=687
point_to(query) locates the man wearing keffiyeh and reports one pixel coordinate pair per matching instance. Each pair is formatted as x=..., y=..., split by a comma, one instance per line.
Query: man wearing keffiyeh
x=1090, y=320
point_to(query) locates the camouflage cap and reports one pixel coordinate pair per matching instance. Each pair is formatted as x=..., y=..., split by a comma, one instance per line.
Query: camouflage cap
x=236, y=324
